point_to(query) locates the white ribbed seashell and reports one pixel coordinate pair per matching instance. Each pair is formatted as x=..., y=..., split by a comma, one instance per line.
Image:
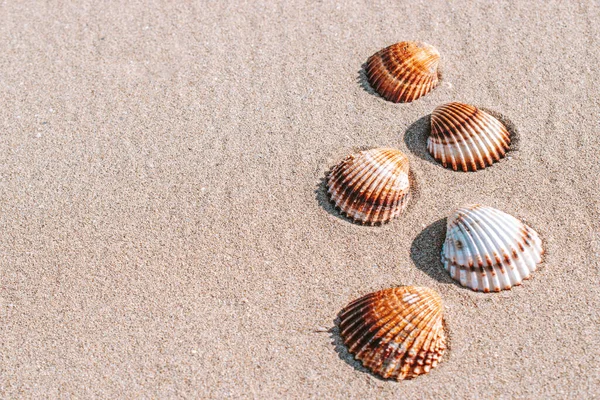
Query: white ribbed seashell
x=489, y=250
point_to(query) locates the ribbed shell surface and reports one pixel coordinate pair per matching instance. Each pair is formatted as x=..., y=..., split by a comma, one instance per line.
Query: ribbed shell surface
x=488, y=250
x=404, y=71
x=466, y=138
x=397, y=333
x=371, y=186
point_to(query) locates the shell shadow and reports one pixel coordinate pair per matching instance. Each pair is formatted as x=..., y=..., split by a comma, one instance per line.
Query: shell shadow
x=415, y=138
x=344, y=354
x=363, y=81
x=325, y=201
x=425, y=251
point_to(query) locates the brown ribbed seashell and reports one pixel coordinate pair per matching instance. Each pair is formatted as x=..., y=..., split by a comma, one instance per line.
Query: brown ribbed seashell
x=404, y=71
x=466, y=138
x=371, y=186
x=397, y=333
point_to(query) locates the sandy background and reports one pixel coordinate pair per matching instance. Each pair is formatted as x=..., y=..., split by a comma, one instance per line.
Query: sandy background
x=164, y=231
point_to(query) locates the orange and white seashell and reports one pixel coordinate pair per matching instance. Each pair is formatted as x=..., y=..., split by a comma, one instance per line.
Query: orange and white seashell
x=488, y=250
x=397, y=333
x=466, y=138
x=371, y=186
x=404, y=71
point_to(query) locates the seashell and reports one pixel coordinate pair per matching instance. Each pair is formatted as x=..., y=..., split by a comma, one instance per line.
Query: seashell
x=489, y=250
x=371, y=186
x=465, y=137
x=404, y=71
x=397, y=333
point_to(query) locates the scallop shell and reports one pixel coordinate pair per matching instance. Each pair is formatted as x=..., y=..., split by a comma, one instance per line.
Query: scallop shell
x=489, y=250
x=465, y=137
x=371, y=186
x=404, y=71
x=397, y=333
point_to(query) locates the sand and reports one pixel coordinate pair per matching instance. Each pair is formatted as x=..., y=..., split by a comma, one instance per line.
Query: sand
x=165, y=232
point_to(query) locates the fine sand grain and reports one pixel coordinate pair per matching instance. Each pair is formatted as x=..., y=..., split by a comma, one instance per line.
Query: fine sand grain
x=164, y=227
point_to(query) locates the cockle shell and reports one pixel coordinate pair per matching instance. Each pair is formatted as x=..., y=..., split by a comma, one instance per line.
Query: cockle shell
x=465, y=137
x=404, y=71
x=397, y=333
x=489, y=250
x=371, y=186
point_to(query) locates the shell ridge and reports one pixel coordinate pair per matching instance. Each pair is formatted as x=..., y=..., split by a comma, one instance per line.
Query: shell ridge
x=376, y=67
x=467, y=242
x=383, y=334
x=366, y=324
x=343, y=174
x=374, y=187
x=380, y=204
x=416, y=86
x=493, y=244
x=498, y=130
x=458, y=118
x=451, y=159
x=510, y=231
x=375, y=74
x=357, y=173
x=465, y=256
x=489, y=138
x=438, y=151
x=391, y=73
x=377, y=205
x=353, y=315
x=501, y=225
x=368, y=335
x=408, y=353
x=408, y=86
x=361, y=346
x=454, y=140
x=422, y=346
x=360, y=316
x=478, y=144
x=464, y=124
x=525, y=261
x=490, y=130
x=395, y=65
x=484, y=273
x=357, y=191
x=396, y=355
x=351, y=307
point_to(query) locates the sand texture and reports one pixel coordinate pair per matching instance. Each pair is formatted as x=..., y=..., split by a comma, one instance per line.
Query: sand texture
x=164, y=228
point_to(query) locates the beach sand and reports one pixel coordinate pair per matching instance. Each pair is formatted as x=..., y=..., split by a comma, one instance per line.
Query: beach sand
x=165, y=232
